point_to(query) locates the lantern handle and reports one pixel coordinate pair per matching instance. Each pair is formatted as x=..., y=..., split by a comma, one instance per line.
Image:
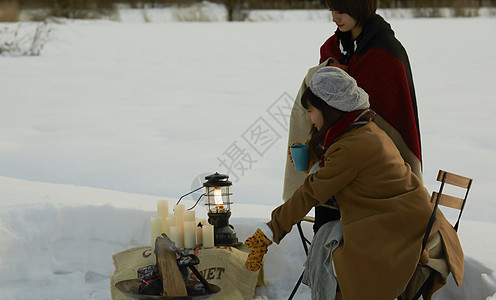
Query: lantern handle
x=197, y=201
x=188, y=194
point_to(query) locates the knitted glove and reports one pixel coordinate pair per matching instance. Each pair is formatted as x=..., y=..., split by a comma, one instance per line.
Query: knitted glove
x=258, y=244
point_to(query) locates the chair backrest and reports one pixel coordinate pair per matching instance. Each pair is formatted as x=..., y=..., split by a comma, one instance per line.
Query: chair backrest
x=448, y=200
x=440, y=198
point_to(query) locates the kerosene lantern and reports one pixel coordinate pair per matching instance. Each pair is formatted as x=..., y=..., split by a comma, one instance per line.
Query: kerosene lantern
x=219, y=208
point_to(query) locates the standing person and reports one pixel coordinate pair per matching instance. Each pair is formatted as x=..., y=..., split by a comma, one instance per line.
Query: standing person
x=385, y=208
x=365, y=43
x=365, y=46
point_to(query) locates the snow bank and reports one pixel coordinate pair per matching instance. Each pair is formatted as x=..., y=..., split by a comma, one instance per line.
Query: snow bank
x=61, y=246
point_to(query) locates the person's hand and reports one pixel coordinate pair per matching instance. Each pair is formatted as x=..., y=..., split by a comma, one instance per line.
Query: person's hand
x=312, y=160
x=332, y=60
x=258, y=244
x=338, y=65
x=289, y=151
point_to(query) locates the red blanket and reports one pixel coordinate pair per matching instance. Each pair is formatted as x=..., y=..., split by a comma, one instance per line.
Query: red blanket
x=380, y=65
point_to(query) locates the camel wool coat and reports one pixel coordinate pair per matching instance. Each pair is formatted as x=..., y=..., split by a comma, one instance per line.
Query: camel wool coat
x=384, y=208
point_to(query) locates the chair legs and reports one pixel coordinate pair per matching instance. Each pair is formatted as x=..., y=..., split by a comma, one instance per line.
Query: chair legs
x=425, y=286
x=296, y=286
x=305, y=247
x=303, y=238
x=420, y=291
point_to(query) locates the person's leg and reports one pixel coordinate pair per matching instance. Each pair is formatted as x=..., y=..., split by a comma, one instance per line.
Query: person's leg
x=324, y=215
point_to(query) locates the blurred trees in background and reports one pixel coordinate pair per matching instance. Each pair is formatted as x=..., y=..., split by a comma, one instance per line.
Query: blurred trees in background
x=434, y=3
x=9, y=9
x=24, y=40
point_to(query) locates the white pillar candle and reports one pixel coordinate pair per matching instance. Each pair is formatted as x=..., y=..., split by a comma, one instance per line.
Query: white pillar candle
x=189, y=234
x=156, y=228
x=176, y=237
x=199, y=234
x=208, y=236
x=189, y=215
x=179, y=214
x=163, y=212
x=169, y=222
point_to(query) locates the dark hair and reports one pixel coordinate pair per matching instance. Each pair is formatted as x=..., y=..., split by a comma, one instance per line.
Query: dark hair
x=328, y=113
x=360, y=10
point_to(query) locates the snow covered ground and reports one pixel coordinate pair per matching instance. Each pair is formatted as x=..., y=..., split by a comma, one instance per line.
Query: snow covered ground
x=115, y=115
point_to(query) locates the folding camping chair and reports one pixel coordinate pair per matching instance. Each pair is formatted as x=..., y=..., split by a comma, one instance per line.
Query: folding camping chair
x=439, y=198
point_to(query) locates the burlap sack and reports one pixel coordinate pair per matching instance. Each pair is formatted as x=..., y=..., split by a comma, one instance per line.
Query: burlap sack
x=126, y=265
x=222, y=266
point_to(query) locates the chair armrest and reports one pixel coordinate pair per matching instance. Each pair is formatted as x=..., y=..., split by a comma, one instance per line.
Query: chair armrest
x=309, y=219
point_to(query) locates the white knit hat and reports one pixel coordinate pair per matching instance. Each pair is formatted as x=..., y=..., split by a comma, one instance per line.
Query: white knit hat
x=338, y=89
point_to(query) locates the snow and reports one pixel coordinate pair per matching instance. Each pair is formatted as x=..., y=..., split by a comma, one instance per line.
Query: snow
x=116, y=115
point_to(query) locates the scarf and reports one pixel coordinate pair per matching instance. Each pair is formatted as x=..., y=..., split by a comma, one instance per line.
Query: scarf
x=349, y=121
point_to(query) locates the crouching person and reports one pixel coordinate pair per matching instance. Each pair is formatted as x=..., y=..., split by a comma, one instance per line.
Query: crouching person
x=385, y=209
